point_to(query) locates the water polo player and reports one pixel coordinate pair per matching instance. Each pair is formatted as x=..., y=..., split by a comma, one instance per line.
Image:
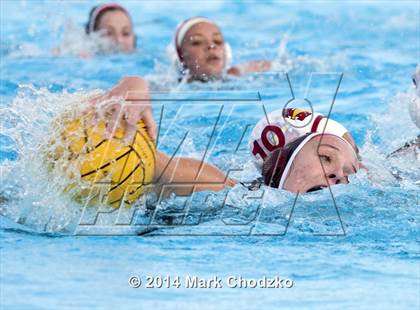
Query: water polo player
x=300, y=151
x=295, y=150
x=201, y=53
x=92, y=149
x=112, y=21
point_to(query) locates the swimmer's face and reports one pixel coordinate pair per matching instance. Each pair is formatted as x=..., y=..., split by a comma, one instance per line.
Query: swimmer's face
x=324, y=161
x=116, y=25
x=203, y=51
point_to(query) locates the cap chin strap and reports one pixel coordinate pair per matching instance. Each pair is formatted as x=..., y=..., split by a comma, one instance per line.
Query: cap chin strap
x=300, y=146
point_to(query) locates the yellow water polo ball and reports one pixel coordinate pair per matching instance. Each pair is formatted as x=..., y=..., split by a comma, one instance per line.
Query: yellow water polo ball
x=109, y=171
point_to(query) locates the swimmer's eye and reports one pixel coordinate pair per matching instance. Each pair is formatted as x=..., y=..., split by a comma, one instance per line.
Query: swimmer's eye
x=414, y=82
x=126, y=34
x=218, y=42
x=325, y=158
x=196, y=43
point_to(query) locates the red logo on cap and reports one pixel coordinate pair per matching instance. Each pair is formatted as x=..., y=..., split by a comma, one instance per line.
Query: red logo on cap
x=295, y=114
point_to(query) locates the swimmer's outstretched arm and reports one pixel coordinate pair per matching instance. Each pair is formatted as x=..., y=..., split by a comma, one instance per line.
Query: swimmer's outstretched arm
x=250, y=67
x=183, y=176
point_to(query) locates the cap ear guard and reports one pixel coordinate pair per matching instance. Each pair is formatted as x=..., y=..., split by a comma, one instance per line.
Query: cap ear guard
x=228, y=57
x=274, y=165
x=89, y=22
x=277, y=165
x=174, y=58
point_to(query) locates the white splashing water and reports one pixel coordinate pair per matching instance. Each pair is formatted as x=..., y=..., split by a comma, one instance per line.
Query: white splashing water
x=393, y=129
x=34, y=196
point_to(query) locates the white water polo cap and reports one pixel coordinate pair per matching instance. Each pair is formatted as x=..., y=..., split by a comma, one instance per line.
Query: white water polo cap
x=281, y=127
x=174, y=49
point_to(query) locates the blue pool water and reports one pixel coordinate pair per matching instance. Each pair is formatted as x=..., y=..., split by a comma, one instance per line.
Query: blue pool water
x=362, y=252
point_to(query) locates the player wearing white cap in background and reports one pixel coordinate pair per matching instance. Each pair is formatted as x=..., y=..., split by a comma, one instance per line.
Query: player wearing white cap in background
x=200, y=52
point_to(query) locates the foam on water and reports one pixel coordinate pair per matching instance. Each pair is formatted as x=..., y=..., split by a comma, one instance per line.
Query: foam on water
x=32, y=195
